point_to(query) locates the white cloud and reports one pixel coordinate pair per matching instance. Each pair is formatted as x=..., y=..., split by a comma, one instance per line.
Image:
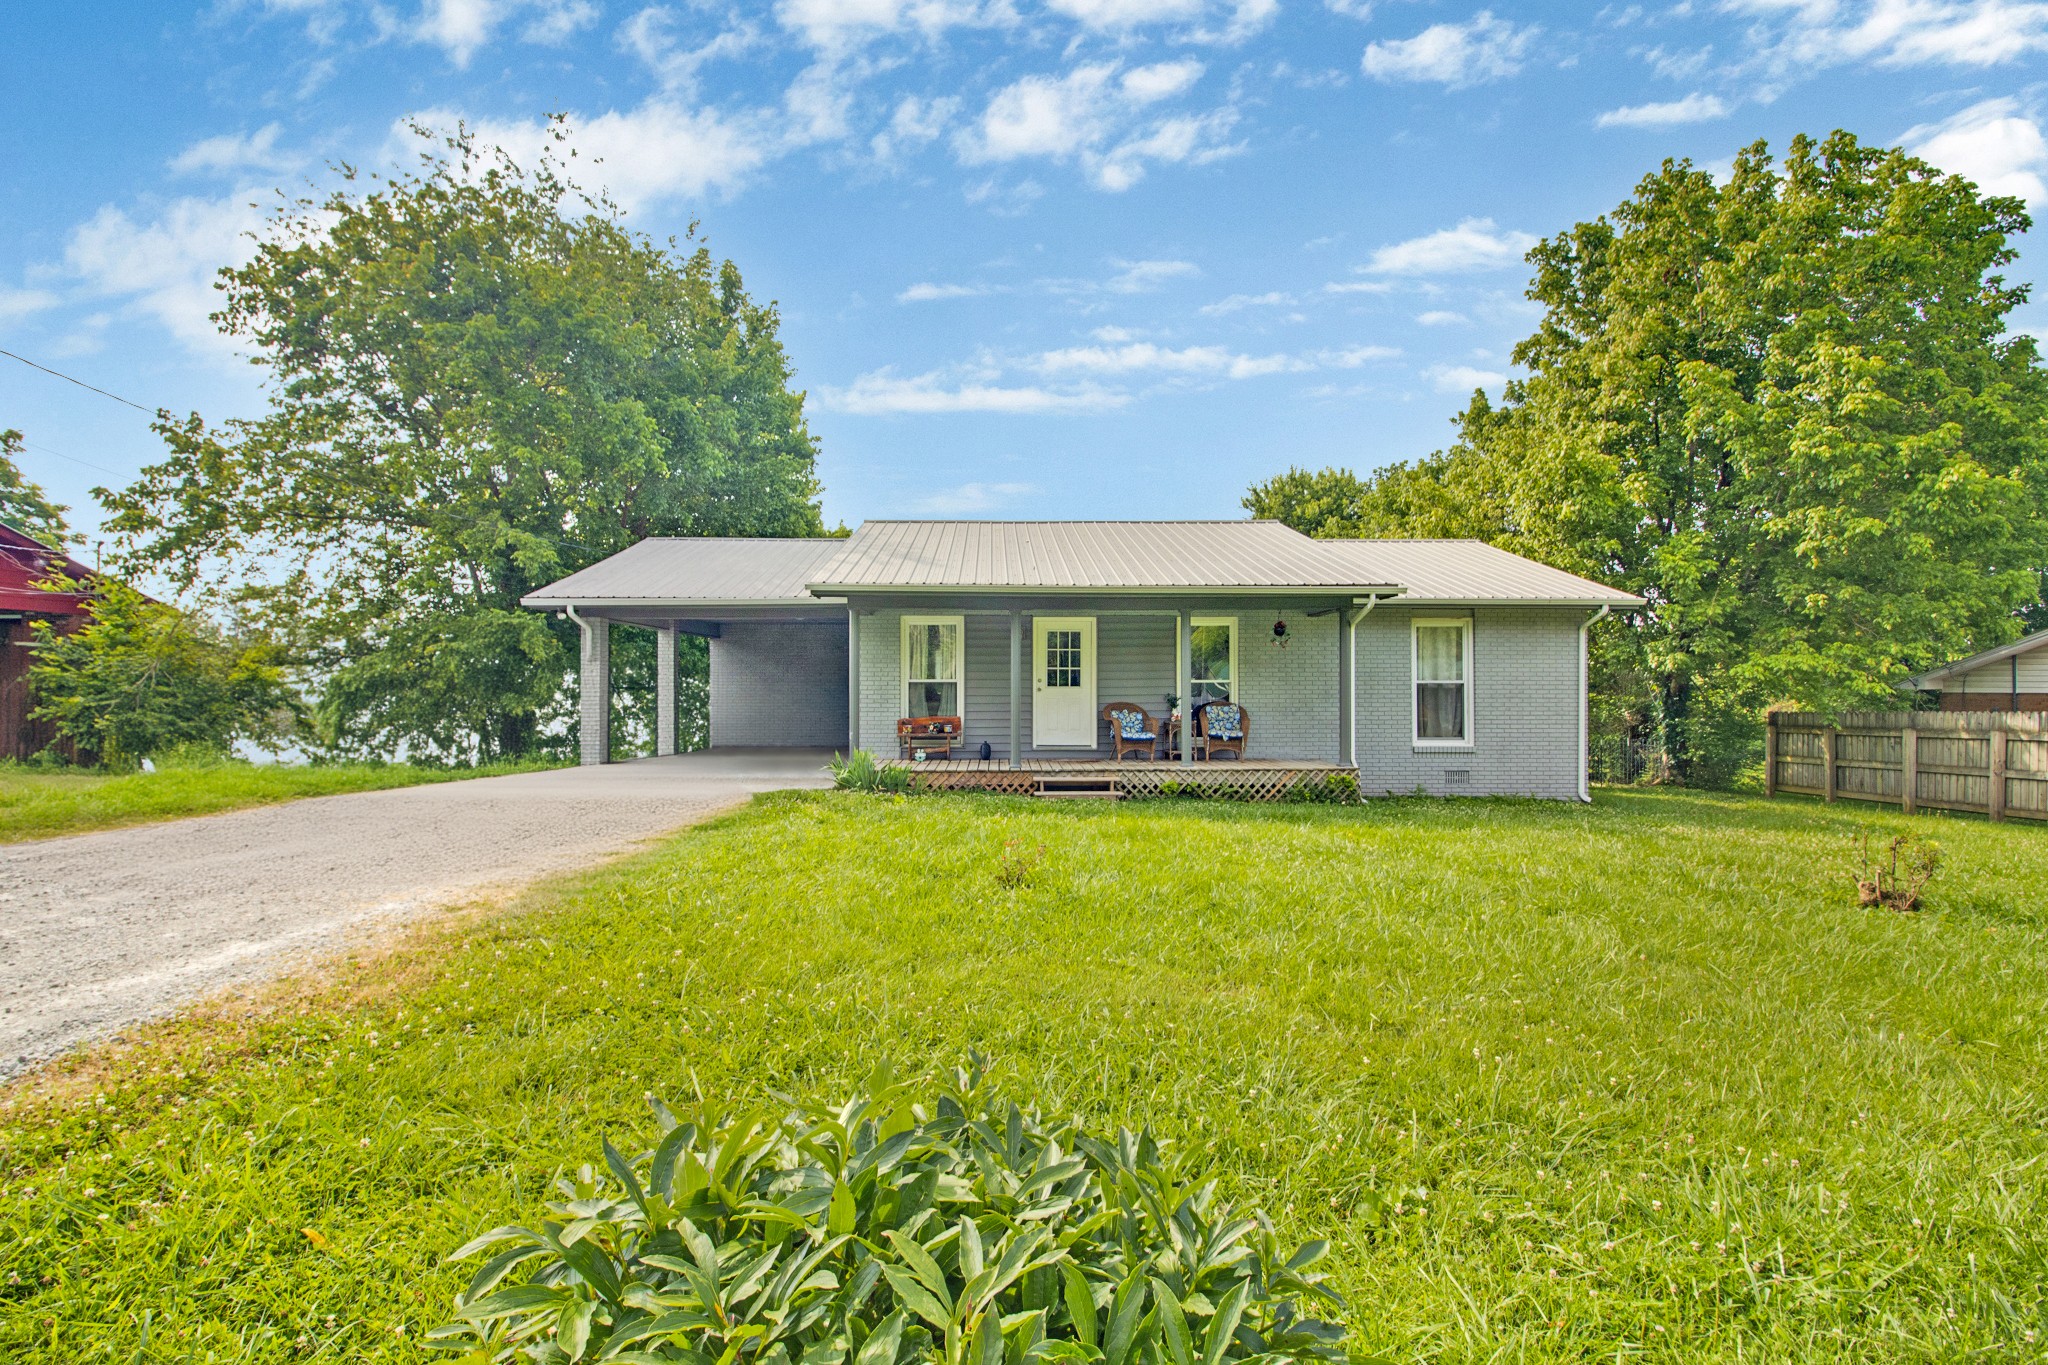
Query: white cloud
x=1144, y=357
x=1138, y=277
x=1351, y=357
x=925, y=293
x=881, y=393
x=234, y=152
x=1441, y=317
x=915, y=123
x=1795, y=36
x=1463, y=378
x=840, y=25
x=165, y=268
x=1992, y=143
x=1358, y=287
x=1482, y=48
x=658, y=151
x=1694, y=108
x=650, y=35
x=20, y=303
x=1474, y=244
x=1241, y=18
x=1239, y=302
x=1095, y=114
x=971, y=497
x=461, y=27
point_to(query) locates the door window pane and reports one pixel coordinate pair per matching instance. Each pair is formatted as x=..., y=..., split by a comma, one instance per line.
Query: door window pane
x=1209, y=677
x=1063, y=658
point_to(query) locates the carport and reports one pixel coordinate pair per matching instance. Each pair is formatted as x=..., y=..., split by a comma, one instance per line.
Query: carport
x=778, y=654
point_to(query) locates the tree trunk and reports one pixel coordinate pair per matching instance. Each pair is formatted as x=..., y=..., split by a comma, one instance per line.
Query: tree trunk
x=1675, y=692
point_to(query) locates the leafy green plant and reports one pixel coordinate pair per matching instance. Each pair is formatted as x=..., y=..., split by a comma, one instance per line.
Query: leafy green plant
x=860, y=772
x=911, y=1224
x=1330, y=789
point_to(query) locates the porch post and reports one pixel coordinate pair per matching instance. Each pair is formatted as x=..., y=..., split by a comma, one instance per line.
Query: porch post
x=1347, y=689
x=1184, y=664
x=1016, y=687
x=665, y=689
x=594, y=692
x=852, y=678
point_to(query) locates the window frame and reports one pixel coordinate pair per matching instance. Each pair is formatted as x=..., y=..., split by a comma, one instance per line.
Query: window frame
x=1196, y=623
x=1416, y=681
x=903, y=678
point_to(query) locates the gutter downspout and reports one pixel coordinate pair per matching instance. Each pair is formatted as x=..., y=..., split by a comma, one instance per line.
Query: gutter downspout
x=1586, y=707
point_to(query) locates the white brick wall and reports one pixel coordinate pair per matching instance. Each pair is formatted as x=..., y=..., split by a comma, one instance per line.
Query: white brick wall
x=778, y=685
x=1525, y=706
x=594, y=692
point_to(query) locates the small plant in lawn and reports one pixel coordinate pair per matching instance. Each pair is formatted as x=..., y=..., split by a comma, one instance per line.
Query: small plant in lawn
x=1900, y=871
x=1015, y=868
x=859, y=772
x=1331, y=789
x=910, y=1224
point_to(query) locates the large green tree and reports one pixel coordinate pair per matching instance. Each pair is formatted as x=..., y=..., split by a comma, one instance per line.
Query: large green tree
x=23, y=504
x=1784, y=408
x=479, y=380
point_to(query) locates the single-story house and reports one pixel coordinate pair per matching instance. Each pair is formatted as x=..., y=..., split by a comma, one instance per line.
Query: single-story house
x=1445, y=665
x=25, y=564
x=2011, y=677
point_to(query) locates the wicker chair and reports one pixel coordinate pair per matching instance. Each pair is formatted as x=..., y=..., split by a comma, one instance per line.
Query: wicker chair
x=1221, y=726
x=1131, y=728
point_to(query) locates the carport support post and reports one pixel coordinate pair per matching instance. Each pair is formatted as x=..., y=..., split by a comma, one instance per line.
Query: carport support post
x=594, y=695
x=1016, y=686
x=852, y=678
x=1185, y=667
x=665, y=689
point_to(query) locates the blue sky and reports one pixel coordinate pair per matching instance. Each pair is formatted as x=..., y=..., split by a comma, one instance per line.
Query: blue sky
x=1045, y=258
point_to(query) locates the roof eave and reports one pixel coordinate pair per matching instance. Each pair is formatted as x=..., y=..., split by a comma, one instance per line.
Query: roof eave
x=1103, y=590
x=538, y=602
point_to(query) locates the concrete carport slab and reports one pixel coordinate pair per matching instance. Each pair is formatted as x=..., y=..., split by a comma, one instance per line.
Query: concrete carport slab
x=101, y=931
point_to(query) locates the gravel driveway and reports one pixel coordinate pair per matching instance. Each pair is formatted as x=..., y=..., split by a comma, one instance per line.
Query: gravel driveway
x=98, y=931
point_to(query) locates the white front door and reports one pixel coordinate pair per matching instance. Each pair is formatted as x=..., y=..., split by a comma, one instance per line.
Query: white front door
x=1063, y=682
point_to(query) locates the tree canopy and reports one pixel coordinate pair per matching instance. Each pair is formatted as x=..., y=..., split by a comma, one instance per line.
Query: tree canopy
x=479, y=380
x=23, y=504
x=1786, y=410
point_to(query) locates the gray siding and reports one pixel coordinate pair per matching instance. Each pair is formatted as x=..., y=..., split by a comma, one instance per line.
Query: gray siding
x=1525, y=706
x=778, y=685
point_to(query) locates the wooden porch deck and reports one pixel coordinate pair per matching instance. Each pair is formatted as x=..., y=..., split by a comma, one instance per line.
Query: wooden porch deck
x=1250, y=779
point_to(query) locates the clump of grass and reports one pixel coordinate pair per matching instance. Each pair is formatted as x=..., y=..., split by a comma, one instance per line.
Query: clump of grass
x=37, y=802
x=1556, y=1083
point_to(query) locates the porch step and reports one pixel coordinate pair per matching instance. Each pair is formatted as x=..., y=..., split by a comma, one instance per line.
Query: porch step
x=1089, y=785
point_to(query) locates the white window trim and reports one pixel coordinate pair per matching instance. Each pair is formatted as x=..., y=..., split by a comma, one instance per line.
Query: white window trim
x=1236, y=683
x=959, y=623
x=1415, y=624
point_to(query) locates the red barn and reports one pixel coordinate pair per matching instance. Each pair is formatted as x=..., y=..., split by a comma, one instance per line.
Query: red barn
x=24, y=563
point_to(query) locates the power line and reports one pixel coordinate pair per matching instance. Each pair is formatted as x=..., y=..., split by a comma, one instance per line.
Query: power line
x=73, y=458
x=72, y=379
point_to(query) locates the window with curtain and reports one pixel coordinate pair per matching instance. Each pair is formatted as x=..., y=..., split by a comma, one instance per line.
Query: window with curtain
x=931, y=666
x=1214, y=652
x=1442, y=689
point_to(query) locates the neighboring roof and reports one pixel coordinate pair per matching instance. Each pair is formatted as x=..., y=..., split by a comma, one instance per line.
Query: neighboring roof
x=1463, y=571
x=1086, y=556
x=1068, y=557
x=713, y=570
x=1932, y=680
x=25, y=562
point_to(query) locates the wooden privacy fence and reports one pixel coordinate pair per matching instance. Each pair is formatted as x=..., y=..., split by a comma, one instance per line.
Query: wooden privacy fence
x=1992, y=762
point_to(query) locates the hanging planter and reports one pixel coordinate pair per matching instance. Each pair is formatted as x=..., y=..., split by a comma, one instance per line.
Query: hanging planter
x=1280, y=636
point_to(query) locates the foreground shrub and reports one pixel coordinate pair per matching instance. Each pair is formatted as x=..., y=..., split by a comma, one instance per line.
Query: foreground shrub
x=892, y=1229
x=859, y=772
x=1898, y=873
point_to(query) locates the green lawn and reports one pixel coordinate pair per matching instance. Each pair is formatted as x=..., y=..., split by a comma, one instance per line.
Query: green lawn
x=36, y=804
x=1634, y=1082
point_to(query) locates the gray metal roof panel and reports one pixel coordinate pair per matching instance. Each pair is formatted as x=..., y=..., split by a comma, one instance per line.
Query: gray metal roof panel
x=696, y=569
x=1470, y=571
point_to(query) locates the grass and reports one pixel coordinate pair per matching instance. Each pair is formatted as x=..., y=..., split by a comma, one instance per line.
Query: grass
x=1634, y=1082
x=40, y=803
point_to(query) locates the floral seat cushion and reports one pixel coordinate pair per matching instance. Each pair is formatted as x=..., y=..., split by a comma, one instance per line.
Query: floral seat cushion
x=1224, y=722
x=1131, y=725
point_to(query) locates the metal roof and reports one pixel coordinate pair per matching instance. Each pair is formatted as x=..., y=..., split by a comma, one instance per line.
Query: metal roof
x=1470, y=571
x=707, y=569
x=1064, y=556
x=1933, y=678
x=1087, y=556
